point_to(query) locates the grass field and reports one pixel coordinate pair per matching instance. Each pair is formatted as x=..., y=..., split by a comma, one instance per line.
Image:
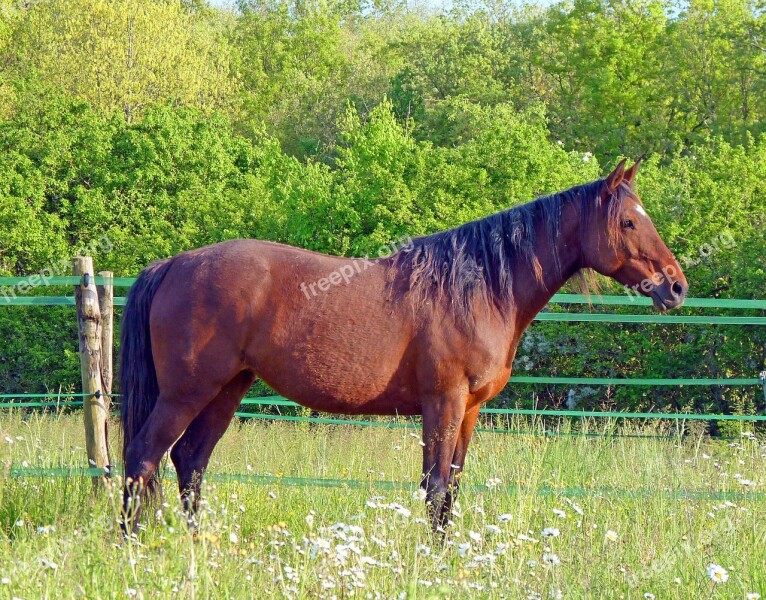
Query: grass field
x=540, y=517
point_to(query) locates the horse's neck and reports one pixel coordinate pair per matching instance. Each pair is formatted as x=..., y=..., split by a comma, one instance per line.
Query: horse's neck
x=558, y=260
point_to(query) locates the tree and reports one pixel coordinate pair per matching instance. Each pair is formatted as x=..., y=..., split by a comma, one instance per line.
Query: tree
x=125, y=55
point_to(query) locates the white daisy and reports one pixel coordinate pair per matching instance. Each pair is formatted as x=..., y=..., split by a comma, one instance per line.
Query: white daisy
x=717, y=573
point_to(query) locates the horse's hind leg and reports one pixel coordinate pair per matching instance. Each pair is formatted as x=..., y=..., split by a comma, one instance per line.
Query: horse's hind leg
x=191, y=453
x=167, y=421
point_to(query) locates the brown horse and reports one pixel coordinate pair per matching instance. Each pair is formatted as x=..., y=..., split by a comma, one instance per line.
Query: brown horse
x=431, y=330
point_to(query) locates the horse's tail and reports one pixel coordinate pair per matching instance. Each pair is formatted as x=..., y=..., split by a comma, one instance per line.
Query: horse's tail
x=138, y=379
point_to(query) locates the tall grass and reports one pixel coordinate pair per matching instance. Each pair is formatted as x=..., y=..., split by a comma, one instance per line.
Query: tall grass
x=623, y=517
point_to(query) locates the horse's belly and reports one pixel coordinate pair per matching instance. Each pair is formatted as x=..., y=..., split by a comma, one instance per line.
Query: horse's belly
x=354, y=395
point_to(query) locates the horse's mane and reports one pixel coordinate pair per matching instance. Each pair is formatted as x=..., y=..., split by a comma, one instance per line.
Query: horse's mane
x=479, y=257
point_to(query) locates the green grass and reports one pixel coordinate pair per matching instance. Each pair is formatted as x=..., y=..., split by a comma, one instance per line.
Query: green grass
x=675, y=505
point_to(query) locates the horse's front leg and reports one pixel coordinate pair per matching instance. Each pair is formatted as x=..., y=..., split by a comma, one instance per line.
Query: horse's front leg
x=458, y=457
x=442, y=418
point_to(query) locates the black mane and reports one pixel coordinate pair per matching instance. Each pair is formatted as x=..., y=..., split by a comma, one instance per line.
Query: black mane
x=479, y=257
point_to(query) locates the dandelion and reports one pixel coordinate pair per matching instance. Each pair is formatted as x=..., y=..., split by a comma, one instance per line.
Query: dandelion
x=551, y=532
x=717, y=573
x=611, y=535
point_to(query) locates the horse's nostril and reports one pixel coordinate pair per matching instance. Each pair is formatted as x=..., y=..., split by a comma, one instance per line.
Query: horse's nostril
x=677, y=288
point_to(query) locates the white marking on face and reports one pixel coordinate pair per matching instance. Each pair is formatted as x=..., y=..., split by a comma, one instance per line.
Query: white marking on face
x=640, y=210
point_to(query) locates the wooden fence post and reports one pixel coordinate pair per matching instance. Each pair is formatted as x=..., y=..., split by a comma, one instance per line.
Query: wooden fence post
x=106, y=306
x=89, y=333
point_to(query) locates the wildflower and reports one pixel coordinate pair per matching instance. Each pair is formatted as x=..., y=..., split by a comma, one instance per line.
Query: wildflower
x=753, y=596
x=717, y=573
x=233, y=538
x=575, y=507
x=462, y=549
x=551, y=559
x=551, y=532
x=476, y=537
x=611, y=535
x=559, y=513
x=494, y=482
x=493, y=529
x=131, y=592
x=419, y=494
x=423, y=549
x=505, y=518
x=399, y=509
x=6, y=581
x=649, y=596
x=49, y=564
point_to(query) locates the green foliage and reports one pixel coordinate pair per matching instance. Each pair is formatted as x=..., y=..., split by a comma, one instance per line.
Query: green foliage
x=147, y=128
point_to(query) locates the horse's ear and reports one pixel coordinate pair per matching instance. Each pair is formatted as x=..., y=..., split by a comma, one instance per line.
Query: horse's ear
x=630, y=174
x=614, y=179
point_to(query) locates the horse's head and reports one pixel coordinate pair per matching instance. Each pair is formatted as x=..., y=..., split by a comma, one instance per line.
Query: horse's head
x=619, y=240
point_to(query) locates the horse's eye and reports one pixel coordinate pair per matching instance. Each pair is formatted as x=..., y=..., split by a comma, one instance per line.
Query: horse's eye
x=628, y=224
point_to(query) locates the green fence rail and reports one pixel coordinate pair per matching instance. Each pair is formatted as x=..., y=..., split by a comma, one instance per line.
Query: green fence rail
x=410, y=486
x=279, y=401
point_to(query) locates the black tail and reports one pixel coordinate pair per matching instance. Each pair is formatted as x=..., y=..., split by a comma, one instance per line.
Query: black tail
x=138, y=379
